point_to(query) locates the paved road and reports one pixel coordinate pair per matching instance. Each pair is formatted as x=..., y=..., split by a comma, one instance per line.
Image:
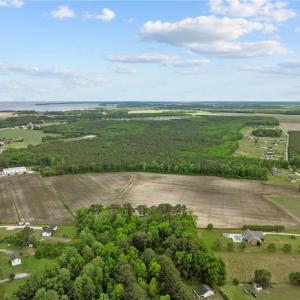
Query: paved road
x=17, y=276
x=13, y=227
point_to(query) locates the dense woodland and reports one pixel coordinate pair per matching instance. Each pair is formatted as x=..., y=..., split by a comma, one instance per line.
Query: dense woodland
x=123, y=254
x=294, y=148
x=267, y=132
x=195, y=145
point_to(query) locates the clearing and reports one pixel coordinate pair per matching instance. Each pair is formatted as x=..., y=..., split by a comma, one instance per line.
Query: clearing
x=30, y=137
x=6, y=115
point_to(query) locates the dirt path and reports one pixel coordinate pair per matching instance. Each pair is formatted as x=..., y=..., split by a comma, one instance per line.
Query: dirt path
x=287, y=143
x=123, y=190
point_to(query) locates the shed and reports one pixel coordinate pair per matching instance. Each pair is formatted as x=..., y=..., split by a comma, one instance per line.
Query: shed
x=203, y=292
x=16, y=259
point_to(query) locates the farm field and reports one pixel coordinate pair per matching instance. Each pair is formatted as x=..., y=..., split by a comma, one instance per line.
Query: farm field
x=290, y=203
x=291, y=126
x=227, y=203
x=27, y=197
x=276, y=292
x=5, y=115
x=30, y=137
x=248, y=146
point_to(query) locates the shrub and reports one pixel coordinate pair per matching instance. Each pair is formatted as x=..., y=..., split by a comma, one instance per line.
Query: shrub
x=271, y=247
x=230, y=246
x=294, y=278
x=277, y=228
x=263, y=277
x=242, y=245
x=217, y=245
x=235, y=281
x=210, y=226
x=11, y=276
x=287, y=248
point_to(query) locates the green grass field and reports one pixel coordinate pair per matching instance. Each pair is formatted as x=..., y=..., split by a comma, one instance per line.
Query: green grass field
x=31, y=137
x=290, y=203
x=276, y=292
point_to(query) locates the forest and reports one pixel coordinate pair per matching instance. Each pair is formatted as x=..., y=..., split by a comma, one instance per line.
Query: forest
x=195, y=145
x=294, y=148
x=267, y=132
x=122, y=253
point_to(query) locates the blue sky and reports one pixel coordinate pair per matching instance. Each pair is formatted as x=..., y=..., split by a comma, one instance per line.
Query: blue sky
x=149, y=50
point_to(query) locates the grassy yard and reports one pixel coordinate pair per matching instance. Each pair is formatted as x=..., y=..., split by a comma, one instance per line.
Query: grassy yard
x=248, y=146
x=30, y=137
x=276, y=292
x=290, y=203
x=9, y=288
x=241, y=263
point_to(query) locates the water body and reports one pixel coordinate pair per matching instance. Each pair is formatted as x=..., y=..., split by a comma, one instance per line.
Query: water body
x=47, y=106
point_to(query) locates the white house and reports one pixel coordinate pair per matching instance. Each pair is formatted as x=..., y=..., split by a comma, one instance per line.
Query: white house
x=14, y=171
x=257, y=287
x=15, y=260
x=48, y=231
x=203, y=292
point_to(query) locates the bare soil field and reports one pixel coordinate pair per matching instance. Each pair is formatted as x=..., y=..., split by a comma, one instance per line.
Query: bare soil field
x=27, y=196
x=5, y=115
x=227, y=203
x=79, y=191
x=291, y=126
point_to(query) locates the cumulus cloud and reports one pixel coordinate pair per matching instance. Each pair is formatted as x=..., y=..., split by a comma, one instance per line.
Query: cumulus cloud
x=288, y=68
x=11, y=3
x=171, y=60
x=273, y=11
x=123, y=69
x=63, y=12
x=62, y=74
x=213, y=35
x=106, y=15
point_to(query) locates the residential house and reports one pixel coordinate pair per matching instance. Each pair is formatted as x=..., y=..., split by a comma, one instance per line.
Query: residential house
x=253, y=237
x=257, y=287
x=203, y=292
x=49, y=231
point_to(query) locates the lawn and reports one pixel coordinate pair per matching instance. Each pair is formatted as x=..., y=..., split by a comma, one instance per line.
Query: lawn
x=9, y=288
x=241, y=263
x=30, y=137
x=276, y=292
x=290, y=203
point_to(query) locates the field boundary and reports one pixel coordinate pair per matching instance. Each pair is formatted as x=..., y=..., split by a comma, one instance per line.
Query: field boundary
x=287, y=143
x=294, y=217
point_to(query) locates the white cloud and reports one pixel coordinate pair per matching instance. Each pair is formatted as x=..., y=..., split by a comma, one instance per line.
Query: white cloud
x=274, y=11
x=63, y=12
x=213, y=35
x=62, y=74
x=287, y=68
x=106, y=15
x=297, y=30
x=171, y=60
x=11, y=3
x=123, y=69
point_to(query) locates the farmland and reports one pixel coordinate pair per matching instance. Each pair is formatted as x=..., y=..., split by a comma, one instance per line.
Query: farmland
x=290, y=203
x=294, y=147
x=227, y=203
x=27, y=197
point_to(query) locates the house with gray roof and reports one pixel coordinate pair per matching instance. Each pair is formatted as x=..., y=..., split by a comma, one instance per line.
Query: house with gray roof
x=253, y=237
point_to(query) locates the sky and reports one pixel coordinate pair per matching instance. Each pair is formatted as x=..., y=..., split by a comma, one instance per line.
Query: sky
x=210, y=50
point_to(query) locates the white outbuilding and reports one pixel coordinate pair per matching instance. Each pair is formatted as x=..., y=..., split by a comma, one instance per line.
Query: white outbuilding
x=14, y=171
x=15, y=260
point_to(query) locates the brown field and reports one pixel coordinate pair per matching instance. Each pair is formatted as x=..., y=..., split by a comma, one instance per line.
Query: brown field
x=291, y=126
x=227, y=203
x=28, y=197
x=5, y=115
